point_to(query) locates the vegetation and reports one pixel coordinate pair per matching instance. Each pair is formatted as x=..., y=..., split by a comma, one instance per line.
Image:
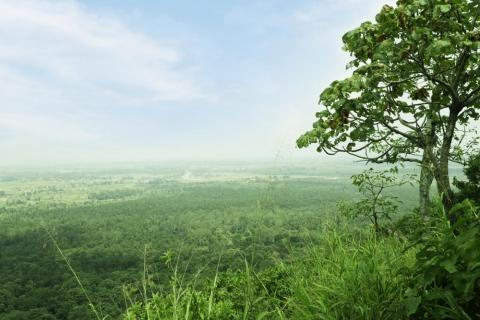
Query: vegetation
x=348, y=276
x=375, y=204
x=211, y=224
x=413, y=95
x=445, y=280
x=470, y=189
x=256, y=247
x=281, y=243
x=423, y=269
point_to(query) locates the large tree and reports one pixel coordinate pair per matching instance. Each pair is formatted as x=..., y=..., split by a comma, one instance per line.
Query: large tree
x=413, y=94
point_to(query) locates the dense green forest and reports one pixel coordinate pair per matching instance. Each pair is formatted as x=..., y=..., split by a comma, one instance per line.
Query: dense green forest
x=218, y=220
x=225, y=242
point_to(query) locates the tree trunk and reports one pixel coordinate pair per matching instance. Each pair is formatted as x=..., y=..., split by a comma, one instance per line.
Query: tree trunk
x=426, y=179
x=375, y=222
x=442, y=175
x=426, y=170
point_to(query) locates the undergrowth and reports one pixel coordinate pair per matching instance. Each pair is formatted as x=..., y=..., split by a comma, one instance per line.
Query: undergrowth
x=425, y=269
x=351, y=275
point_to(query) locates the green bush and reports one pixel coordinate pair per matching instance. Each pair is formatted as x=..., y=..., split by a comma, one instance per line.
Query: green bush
x=470, y=189
x=446, y=276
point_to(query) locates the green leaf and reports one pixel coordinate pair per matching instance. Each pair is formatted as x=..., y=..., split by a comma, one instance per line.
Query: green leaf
x=449, y=264
x=412, y=304
x=444, y=8
x=440, y=47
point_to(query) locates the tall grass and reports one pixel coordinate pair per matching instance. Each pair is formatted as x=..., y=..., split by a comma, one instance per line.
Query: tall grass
x=351, y=275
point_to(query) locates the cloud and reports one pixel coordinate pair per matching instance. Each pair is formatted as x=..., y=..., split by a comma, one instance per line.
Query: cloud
x=66, y=50
x=80, y=84
x=68, y=73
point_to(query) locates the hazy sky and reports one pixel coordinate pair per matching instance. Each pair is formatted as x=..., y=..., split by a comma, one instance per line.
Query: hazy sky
x=138, y=80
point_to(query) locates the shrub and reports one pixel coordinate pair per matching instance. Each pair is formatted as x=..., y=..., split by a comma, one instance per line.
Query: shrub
x=446, y=275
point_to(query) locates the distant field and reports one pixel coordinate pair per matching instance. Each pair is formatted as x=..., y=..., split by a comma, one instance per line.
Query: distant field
x=83, y=186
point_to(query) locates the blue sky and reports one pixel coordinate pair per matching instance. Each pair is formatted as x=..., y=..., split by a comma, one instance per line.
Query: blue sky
x=138, y=80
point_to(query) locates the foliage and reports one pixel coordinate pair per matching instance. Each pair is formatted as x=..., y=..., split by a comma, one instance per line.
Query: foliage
x=413, y=92
x=445, y=281
x=349, y=276
x=104, y=241
x=375, y=205
x=470, y=189
x=262, y=249
x=230, y=295
x=411, y=62
x=412, y=97
x=268, y=233
x=352, y=277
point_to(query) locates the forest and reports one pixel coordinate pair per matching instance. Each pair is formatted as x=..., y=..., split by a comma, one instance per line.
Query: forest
x=224, y=243
x=387, y=228
x=127, y=243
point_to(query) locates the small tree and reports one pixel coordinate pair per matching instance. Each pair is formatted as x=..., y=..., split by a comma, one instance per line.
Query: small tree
x=375, y=204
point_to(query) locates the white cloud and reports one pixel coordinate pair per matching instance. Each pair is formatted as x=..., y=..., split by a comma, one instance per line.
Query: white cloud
x=77, y=85
x=64, y=67
x=83, y=54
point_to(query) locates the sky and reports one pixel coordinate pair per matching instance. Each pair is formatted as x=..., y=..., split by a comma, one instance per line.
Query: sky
x=154, y=80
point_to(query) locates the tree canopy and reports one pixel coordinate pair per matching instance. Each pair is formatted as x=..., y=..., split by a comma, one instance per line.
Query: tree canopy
x=413, y=93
